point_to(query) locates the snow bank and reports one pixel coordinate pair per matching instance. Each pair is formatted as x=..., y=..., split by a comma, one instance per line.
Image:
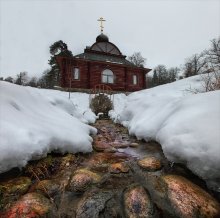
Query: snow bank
x=186, y=125
x=118, y=105
x=34, y=122
x=78, y=101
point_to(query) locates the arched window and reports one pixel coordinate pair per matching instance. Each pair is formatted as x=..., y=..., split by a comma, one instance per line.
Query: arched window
x=107, y=76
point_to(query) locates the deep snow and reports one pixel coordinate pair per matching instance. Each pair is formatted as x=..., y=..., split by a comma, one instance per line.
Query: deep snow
x=187, y=125
x=35, y=121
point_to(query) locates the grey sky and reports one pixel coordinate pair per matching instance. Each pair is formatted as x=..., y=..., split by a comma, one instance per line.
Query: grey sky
x=165, y=32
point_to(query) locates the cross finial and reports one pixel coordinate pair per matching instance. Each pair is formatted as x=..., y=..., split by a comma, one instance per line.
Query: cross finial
x=101, y=24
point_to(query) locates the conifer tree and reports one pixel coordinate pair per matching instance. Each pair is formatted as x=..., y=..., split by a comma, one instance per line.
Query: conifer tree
x=58, y=48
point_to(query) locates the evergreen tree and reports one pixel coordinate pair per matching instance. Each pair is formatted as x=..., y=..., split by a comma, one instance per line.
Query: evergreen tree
x=155, y=79
x=52, y=77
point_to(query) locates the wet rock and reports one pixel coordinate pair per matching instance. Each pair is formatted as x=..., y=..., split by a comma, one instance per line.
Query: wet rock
x=63, y=177
x=104, y=129
x=67, y=160
x=30, y=205
x=150, y=163
x=101, y=145
x=120, y=144
x=134, y=145
x=188, y=199
x=102, y=161
x=110, y=150
x=92, y=203
x=82, y=179
x=137, y=202
x=112, y=208
x=48, y=187
x=118, y=168
x=16, y=186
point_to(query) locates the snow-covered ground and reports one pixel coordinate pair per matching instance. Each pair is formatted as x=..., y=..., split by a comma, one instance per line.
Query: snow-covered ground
x=35, y=121
x=187, y=125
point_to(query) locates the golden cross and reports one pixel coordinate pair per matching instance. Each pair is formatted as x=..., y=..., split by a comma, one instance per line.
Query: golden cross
x=101, y=24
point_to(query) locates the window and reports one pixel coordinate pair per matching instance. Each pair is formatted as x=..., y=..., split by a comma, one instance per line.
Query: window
x=107, y=76
x=76, y=73
x=134, y=79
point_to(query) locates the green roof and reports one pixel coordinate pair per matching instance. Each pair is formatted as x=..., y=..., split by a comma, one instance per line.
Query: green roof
x=105, y=58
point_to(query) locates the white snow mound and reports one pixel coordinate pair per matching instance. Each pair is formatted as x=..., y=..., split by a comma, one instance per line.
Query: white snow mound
x=187, y=125
x=34, y=122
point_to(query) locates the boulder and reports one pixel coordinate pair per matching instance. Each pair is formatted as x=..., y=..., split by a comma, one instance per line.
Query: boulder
x=16, y=186
x=137, y=203
x=47, y=187
x=118, y=168
x=82, y=179
x=30, y=205
x=134, y=145
x=150, y=163
x=92, y=203
x=188, y=199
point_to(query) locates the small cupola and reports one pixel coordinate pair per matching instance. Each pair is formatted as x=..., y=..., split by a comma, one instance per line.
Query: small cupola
x=102, y=38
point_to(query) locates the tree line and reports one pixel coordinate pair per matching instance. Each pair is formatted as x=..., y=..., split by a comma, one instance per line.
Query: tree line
x=208, y=61
x=50, y=77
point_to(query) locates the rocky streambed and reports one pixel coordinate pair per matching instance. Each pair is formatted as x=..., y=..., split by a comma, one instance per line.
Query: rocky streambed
x=122, y=177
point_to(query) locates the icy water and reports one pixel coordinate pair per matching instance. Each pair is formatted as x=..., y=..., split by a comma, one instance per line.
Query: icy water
x=122, y=177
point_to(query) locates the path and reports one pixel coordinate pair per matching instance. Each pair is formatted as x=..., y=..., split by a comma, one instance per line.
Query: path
x=122, y=177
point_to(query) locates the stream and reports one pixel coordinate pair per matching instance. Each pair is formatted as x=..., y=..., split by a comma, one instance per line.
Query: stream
x=122, y=177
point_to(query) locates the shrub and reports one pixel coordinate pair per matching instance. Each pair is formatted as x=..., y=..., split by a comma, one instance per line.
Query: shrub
x=101, y=104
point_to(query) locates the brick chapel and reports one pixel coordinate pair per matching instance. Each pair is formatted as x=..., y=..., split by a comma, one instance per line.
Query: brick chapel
x=101, y=63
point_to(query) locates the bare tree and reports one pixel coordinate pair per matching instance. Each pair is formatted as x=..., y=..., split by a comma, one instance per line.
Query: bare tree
x=33, y=82
x=195, y=65
x=211, y=81
x=45, y=80
x=137, y=59
x=173, y=73
x=22, y=78
x=213, y=55
x=160, y=75
x=9, y=79
x=215, y=51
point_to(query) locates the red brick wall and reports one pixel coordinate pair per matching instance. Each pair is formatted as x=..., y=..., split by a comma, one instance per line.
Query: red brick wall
x=90, y=75
x=140, y=79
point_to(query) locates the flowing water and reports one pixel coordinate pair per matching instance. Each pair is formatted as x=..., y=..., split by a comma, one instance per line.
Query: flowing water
x=122, y=177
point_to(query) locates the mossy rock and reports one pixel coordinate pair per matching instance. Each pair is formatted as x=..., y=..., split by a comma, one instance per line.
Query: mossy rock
x=14, y=186
x=82, y=179
x=29, y=206
x=12, y=189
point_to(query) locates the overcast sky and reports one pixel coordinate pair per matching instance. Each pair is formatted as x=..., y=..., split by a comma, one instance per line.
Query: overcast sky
x=165, y=32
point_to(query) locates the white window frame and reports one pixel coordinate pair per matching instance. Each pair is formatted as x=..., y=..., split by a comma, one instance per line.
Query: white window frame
x=76, y=73
x=134, y=79
x=107, y=76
